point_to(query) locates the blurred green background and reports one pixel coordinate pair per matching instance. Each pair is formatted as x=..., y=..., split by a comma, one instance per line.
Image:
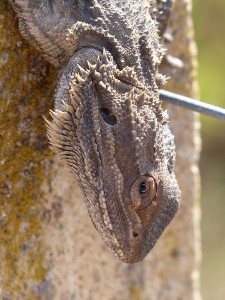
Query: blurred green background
x=209, y=23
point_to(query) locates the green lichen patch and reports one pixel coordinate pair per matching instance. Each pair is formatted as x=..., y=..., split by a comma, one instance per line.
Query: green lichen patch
x=136, y=292
x=26, y=88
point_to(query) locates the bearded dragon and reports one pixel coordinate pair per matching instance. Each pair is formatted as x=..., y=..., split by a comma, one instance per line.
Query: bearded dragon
x=107, y=123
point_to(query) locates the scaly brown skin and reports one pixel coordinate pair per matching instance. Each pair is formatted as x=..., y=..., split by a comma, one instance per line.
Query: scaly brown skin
x=108, y=124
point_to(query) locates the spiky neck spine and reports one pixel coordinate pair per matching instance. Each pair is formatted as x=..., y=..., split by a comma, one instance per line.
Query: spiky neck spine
x=80, y=59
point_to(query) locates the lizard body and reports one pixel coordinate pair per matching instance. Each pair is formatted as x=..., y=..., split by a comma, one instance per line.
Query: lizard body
x=108, y=124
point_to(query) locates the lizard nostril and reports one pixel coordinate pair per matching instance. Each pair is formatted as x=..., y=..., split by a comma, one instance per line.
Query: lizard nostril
x=108, y=116
x=135, y=233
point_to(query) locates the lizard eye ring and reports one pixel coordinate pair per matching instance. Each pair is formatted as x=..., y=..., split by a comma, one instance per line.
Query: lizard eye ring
x=108, y=116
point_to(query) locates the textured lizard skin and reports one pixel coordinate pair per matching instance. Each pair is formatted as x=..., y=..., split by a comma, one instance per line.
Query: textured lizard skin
x=108, y=123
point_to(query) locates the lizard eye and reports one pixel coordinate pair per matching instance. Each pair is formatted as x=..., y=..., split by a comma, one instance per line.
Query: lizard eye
x=143, y=191
x=108, y=116
x=143, y=188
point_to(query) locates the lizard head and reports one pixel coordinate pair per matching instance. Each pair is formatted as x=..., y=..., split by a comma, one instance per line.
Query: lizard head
x=112, y=132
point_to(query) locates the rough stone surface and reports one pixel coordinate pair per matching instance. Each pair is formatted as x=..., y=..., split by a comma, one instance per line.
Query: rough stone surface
x=49, y=248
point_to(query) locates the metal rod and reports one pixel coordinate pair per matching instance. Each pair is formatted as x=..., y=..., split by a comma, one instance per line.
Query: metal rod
x=189, y=103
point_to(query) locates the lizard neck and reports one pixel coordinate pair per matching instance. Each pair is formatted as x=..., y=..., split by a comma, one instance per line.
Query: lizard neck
x=79, y=59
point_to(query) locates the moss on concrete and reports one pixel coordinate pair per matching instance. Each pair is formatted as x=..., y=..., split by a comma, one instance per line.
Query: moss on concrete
x=136, y=292
x=25, y=96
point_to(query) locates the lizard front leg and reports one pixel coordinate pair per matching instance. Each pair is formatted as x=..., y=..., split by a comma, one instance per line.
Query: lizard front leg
x=46, y=24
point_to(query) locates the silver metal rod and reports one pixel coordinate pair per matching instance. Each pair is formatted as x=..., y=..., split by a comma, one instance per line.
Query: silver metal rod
x=189, y=103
